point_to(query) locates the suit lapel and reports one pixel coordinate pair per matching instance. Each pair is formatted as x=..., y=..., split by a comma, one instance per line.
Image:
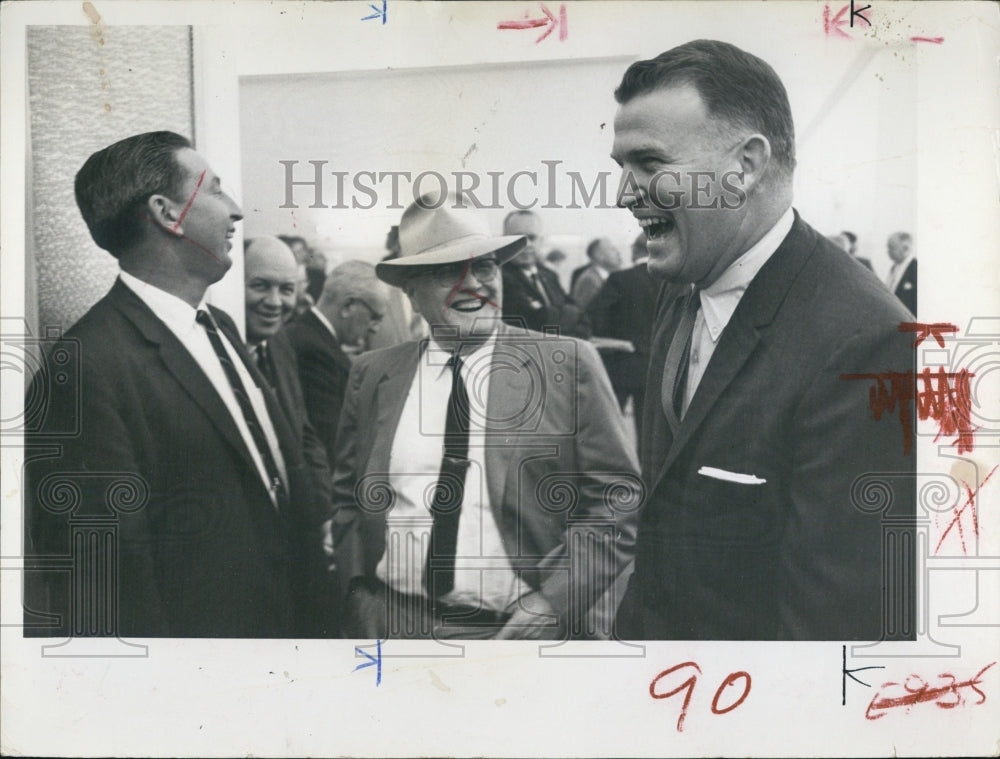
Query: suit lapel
x=287, y=439
x=390, y=397
x=756, y=310
x=179, y=363
x=326, y=339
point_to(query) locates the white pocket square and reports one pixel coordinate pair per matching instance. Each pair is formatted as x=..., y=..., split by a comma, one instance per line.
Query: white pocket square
x=722, y=474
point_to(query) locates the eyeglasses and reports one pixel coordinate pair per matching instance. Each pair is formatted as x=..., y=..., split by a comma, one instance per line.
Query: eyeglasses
x=373, y=315
x=483, y=269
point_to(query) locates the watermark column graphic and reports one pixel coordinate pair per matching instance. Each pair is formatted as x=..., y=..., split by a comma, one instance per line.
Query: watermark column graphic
x=948, y=535
x=90, y=502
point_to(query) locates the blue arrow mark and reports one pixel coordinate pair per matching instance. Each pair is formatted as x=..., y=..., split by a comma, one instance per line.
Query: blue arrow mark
x=382, y=14
x=372, y=660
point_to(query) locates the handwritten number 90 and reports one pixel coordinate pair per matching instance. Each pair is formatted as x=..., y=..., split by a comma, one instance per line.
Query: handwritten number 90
x=688, y=686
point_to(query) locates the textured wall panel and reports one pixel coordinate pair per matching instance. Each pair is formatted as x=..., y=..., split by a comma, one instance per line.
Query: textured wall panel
x=89, y=87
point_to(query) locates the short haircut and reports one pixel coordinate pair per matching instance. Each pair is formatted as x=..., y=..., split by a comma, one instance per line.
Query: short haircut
x=850, y=236
x=593, y=246
x=513, y=214
x=351, y=279
x=291, y=240
x=114, y=184
x=737, y=88
x=903, y=237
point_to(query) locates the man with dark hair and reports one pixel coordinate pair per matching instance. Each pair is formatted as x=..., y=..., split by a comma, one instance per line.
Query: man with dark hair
x=178, y=446
x=753, y=443
x=902, y=278
x=852, y=248
x=533, y=297
x=587, y=280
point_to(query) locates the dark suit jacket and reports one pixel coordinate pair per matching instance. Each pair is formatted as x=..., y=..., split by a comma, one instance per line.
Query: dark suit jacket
x=139, y=441
x=796, y=556
x=524, y=306
x=906, y=290
x=323, y=369
x=558, y=465
x=319, y=612
x=624, y=309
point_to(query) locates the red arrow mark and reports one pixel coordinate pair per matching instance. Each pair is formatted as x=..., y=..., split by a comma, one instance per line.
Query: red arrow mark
x=832, y=25
x=550, y=21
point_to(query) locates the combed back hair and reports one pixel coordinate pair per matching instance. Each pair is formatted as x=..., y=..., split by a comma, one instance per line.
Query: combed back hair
x=738, y=88
x=114, y=184
x=850, y=236
x=351, y=279
x=903, y=237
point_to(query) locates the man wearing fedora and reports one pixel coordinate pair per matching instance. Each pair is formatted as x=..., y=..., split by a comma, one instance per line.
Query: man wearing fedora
x=484, y=485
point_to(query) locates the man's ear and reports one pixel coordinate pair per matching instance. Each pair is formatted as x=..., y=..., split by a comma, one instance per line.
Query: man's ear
x=754, y=156
x=164, y=212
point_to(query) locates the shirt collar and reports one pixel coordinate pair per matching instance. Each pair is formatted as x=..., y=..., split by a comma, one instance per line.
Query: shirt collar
x=720, y=299
x=324, y=321
x=171, y=310
x=437, y=357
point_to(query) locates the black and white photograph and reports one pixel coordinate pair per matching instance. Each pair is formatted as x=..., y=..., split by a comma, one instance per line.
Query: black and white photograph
x=391, y=378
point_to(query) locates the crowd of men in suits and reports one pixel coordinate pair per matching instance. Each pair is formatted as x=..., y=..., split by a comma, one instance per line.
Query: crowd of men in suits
x=471, y=475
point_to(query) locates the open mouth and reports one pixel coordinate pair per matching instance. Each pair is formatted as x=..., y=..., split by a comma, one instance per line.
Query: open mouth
x=468, y=305
x=656, y=228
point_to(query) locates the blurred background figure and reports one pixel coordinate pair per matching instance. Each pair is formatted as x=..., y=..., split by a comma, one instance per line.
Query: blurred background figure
x=532, y=295
x=587, y=280
x=401, y=322
x=300, y=248
x=349, y=313
x=852, y=240
x=315, y=264
x=624, y=309
x=902, y=278
x=841, y=241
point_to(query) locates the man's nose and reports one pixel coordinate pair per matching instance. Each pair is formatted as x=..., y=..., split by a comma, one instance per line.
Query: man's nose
x=628, y=190
x=273, y=298
x=235, y=212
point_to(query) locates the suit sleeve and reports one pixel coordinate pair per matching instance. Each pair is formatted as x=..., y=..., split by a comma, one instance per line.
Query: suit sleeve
x=837, y=550
x=348, y=519
x=609, y=492
x=70, y=480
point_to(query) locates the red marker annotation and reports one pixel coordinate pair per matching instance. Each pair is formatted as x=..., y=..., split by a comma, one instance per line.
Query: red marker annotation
x=956, y=521
x=723, y=691
x=945, y=397
x=550, y=21
x=924, y=330
x=933, y=40
x=915, y=690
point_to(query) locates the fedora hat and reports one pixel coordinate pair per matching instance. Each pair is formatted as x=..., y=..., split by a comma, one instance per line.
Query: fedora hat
x=443, y=230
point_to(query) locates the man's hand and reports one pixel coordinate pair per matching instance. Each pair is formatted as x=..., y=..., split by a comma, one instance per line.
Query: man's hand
x=533, y=619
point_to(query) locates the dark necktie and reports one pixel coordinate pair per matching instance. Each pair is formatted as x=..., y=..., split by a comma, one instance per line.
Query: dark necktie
x=676, y=365
x=446, y=505
x=265, y=364
x=256, y=432
x=537, y=282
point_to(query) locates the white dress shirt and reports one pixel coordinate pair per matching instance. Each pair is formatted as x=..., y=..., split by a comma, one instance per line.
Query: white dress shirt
x=483, y=575
x=179, y=318
x=720, y=299
x=896, y=272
